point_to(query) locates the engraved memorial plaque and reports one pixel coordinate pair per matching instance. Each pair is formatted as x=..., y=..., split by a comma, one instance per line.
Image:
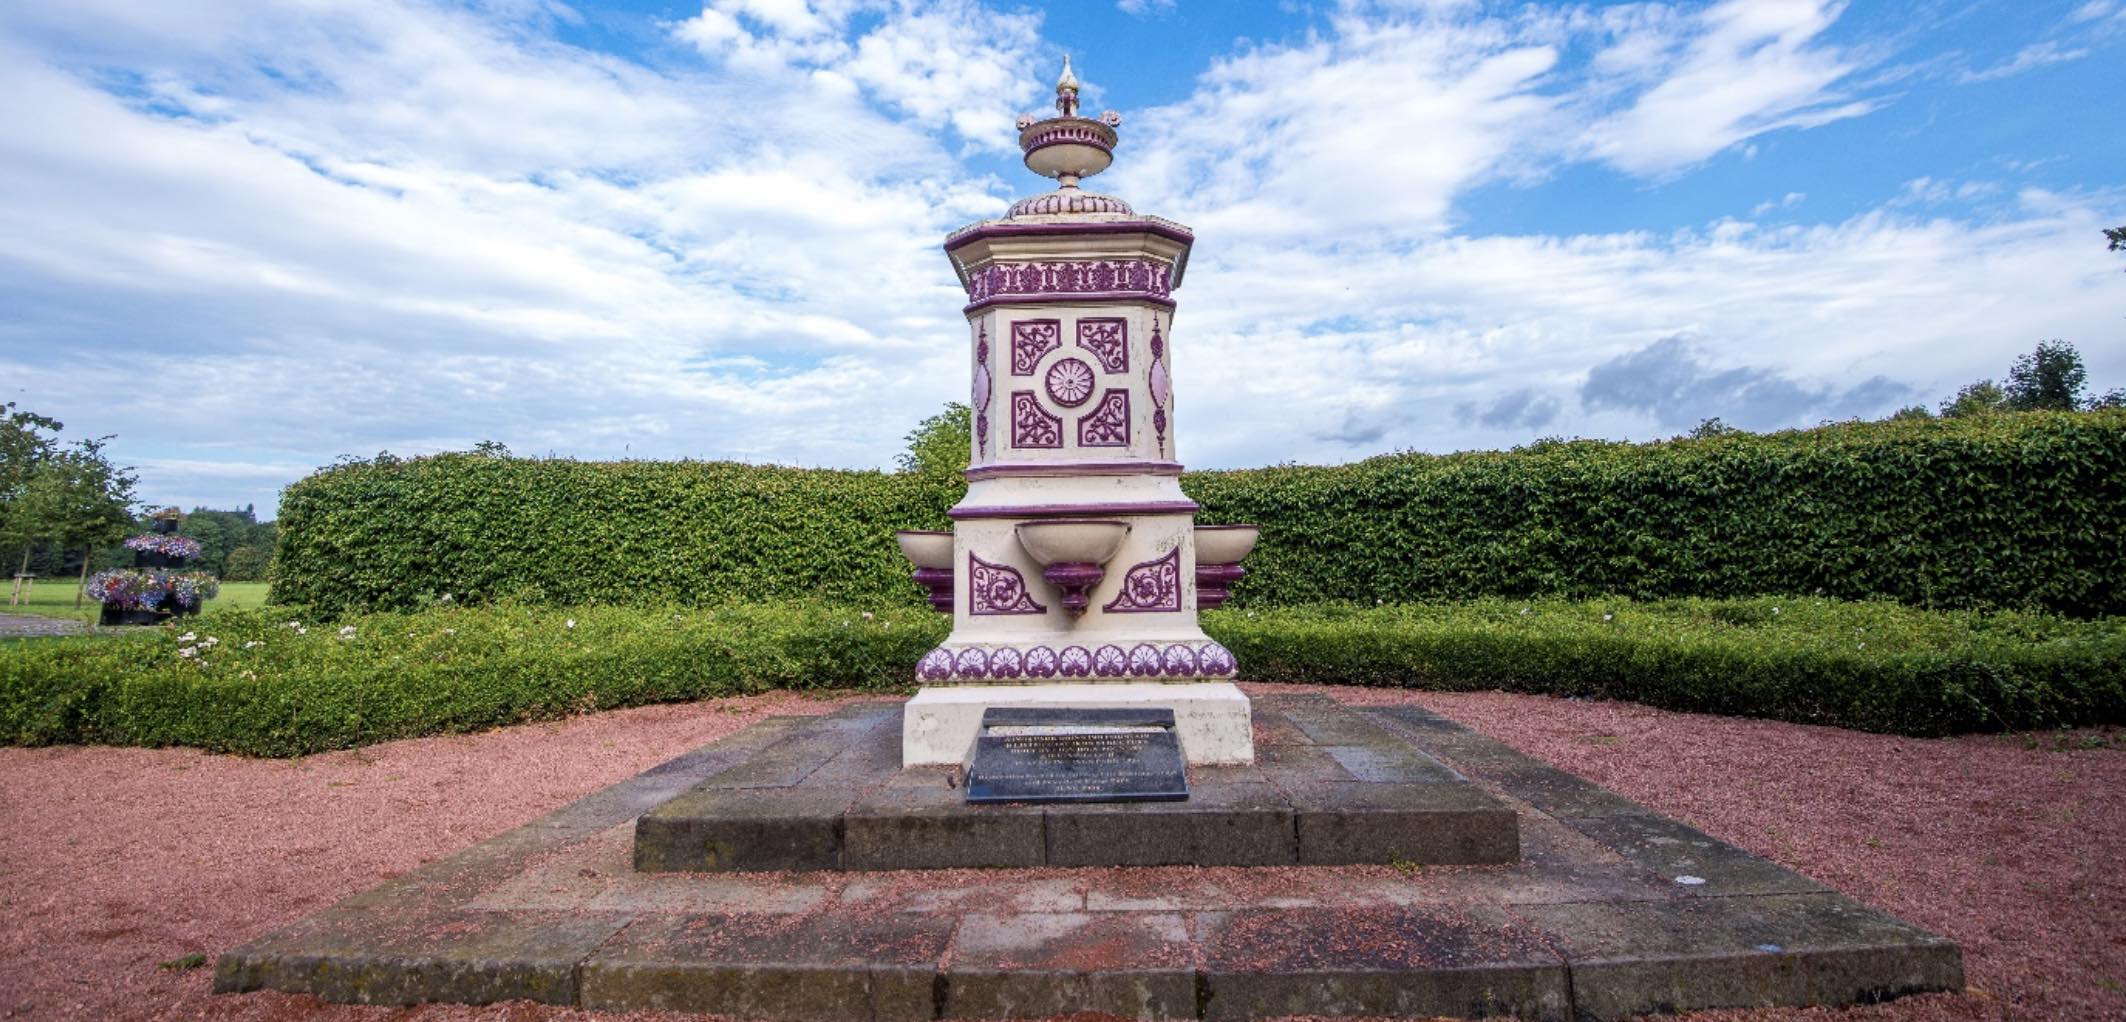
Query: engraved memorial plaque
x=1076, y=755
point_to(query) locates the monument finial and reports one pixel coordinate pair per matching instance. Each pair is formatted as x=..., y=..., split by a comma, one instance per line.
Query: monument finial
x=1067, y=91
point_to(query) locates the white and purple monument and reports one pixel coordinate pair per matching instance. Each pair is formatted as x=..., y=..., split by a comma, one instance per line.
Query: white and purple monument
x=1075, y=568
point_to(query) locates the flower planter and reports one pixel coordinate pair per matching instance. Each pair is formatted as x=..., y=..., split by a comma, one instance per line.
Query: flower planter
x=115, y=616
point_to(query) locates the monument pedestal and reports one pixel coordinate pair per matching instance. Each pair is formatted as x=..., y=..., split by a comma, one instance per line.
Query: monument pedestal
x=1211, y=717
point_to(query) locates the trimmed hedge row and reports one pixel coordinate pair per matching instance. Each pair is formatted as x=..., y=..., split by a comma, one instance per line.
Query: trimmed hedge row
x=248, y=682
x=2023, y=510
x=263, y=688
x=1869, y=666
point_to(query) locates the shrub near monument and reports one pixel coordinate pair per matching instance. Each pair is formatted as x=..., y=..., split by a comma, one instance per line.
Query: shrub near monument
x=2020, y=510
x=263, y=688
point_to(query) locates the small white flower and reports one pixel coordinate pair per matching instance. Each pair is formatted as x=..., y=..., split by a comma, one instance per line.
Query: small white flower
x=1609, y=617
x=209, y=642
x=253, y=644
x=346, y=633
x=888, y=624
x=845, y=624
x=1524, y=611
x=867, y=615
x=1775, y=611
x=302, y=631
x=446, y=598
x=570, y=623
x=1862, y=646
x=450, y=631
x=188, y=652
x=187, y=637
x=297, y=625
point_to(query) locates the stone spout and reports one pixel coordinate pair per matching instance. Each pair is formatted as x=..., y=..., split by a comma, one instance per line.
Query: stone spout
x=1073, y=554
x=931, y=553
x=1219, y=550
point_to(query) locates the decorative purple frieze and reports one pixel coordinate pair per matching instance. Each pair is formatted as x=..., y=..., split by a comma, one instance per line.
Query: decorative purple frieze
x=1030, y=340
x=1108, y=339
x=1031, y=426
x=1107, y=425
x=1075, y=579
x=1069, y=382
x=1162, y=387
x=1144, y=660
x=997, y=589
x=1153, y=587
x=1149, y=278
x=980, y=397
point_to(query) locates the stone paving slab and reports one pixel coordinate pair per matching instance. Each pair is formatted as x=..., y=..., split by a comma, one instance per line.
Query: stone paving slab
x=1588, y=923
x=831, y=796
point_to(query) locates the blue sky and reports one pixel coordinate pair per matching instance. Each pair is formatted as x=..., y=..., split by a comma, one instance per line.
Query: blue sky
x=249, y=238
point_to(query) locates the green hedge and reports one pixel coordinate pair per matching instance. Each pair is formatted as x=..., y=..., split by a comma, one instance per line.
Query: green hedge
x=396, y=534
x=1869, y=666
x=264, y=688
x=2022, y=510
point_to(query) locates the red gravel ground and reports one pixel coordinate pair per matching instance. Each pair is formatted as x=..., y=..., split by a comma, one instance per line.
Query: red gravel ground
x=116, y=861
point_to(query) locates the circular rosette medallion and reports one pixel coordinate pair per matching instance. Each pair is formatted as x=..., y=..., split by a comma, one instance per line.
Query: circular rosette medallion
x=1070, y=382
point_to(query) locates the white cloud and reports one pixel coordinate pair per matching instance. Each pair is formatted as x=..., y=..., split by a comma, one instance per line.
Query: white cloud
x=2029, y=58
x=1142, y=8
x=1750, y=67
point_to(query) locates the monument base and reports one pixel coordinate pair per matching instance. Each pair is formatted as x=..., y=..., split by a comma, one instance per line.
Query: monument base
x=1211, y=717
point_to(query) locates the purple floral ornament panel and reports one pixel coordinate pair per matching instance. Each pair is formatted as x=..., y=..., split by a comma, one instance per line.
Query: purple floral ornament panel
x=1180, y=661
x=936, y=665
x=972, y=663
x=1075, y=661
x=1006, y=663
x=1107, y=425
x=1069, y=382
x=1110, y=662
x=1108, y=340
x=1144, y=661
x=1041, y=662
x=1031, y=426
x=995, y=589
x=1153, y=587
x=1031, y=339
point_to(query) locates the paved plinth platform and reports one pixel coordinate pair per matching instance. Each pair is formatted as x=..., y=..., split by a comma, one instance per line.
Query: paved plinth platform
x=1330, y=787
x=1610, y=911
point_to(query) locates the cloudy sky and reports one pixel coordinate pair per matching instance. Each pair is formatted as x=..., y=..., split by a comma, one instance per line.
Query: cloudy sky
x=250, y=237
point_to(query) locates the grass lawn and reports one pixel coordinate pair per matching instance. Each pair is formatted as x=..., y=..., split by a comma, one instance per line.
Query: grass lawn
x=54, y=597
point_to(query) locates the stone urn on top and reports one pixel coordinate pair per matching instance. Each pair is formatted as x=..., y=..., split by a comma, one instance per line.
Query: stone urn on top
x=1074, y=568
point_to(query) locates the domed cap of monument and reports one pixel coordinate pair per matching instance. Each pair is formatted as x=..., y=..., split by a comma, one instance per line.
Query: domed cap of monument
x=1068, y=147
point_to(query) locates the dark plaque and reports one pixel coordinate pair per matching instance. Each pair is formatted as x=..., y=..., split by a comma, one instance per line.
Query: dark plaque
x=1060, y=755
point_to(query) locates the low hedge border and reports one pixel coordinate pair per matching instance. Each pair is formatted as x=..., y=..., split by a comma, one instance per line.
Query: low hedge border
x=265, y=684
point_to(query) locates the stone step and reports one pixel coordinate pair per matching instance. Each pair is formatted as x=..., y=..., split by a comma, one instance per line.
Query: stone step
x=1330, y=787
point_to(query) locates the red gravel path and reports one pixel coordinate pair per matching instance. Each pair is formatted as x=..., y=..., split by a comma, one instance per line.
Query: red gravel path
x=115, y=860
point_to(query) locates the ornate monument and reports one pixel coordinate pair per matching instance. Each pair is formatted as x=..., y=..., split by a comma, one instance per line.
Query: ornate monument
x=1073, y=569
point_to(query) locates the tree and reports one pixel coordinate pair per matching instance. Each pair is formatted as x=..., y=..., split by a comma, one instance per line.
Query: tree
x=24, y=445
x=2117, y=237
x=2049, y=379
x=247, y=564
x=1982, y=398
x=940, y=445
x=79, y=500
x=1911, y=413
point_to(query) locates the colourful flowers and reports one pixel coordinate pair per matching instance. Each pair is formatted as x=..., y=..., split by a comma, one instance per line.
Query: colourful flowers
x=180, y=547
x=135, y=589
